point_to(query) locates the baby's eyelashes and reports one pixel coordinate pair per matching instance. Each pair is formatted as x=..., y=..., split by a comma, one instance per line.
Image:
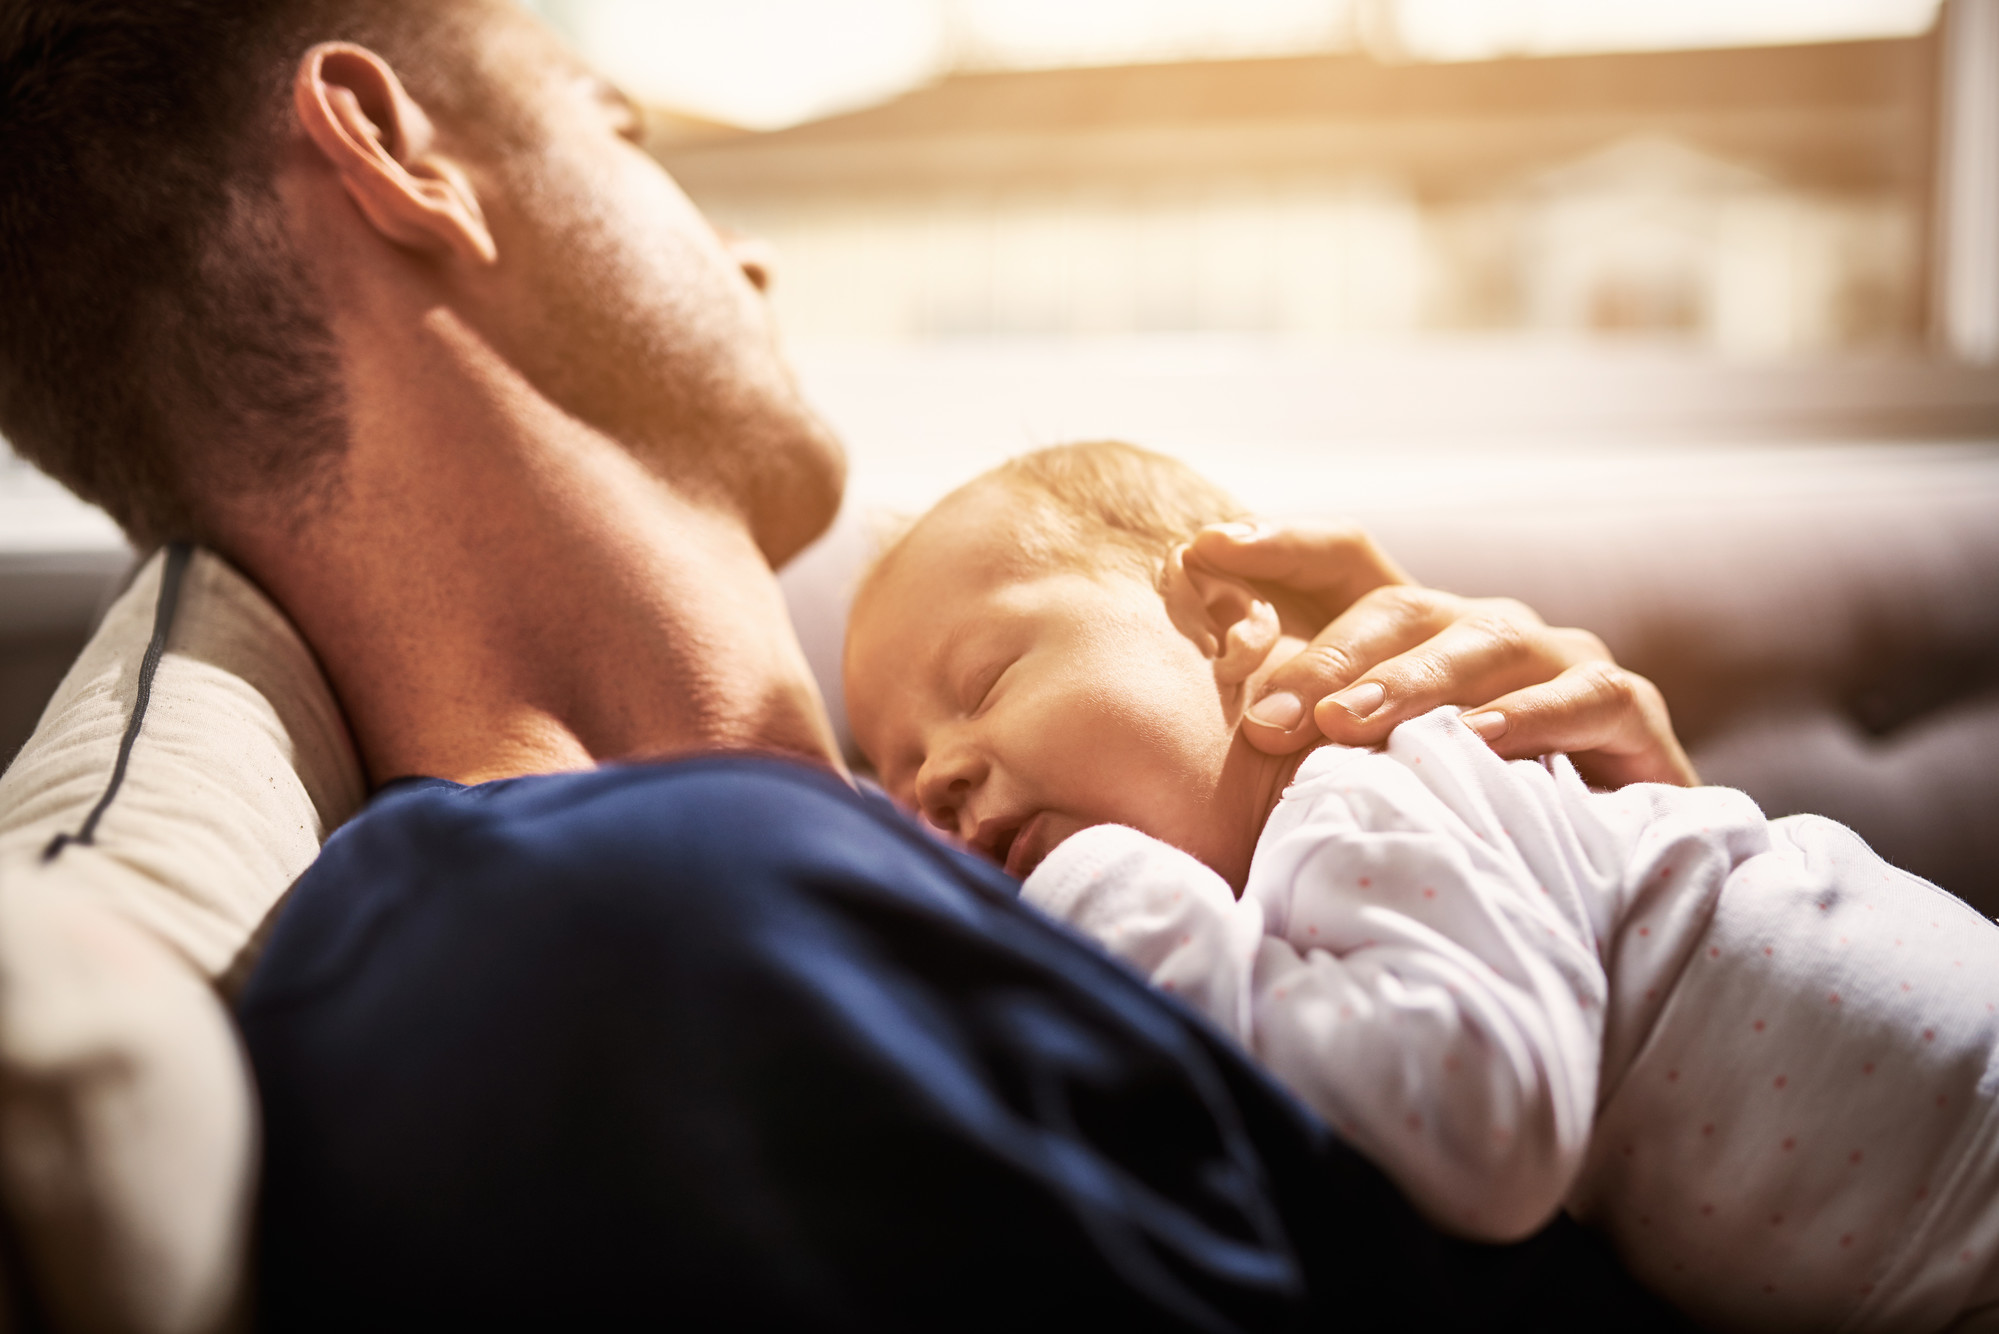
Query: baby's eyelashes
x=979, y=687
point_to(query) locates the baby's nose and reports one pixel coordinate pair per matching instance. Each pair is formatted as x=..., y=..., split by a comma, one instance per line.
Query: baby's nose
x=946, y=808
x=950, y=775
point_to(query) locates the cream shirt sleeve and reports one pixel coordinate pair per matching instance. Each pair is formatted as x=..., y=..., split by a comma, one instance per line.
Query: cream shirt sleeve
x=1395, y=960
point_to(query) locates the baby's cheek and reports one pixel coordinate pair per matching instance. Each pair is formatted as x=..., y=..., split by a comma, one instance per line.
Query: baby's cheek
x=1133, y=780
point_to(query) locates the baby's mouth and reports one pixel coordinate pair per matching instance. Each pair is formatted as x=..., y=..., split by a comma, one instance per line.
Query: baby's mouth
x=996, y=841
x=1001, y=848
x=1024, y=847
x=995, y=838
x=1018, y=847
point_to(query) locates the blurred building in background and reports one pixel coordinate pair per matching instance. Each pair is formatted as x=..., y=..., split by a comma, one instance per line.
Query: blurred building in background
x=1758, y=201
x=1760, y=178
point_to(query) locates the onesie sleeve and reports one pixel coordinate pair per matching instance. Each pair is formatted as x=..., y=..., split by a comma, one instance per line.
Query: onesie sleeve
x=1159, y=910
x=1400, y=967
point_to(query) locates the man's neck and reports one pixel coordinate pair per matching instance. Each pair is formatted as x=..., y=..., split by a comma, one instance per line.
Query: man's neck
x=496, y=589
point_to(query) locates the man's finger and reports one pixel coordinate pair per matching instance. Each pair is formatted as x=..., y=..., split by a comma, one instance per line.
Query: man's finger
x=1332, y=564
x=1495, y=648
x=1385, y=622
x=1614, y=723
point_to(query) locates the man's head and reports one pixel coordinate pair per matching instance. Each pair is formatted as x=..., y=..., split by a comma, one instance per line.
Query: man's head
x=1040, y=654
x=203, y=201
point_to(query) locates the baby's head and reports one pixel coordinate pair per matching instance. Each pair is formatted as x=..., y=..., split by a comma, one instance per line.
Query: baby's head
x=1040, y=654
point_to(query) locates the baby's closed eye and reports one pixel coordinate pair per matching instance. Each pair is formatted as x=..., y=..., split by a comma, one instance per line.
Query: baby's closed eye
x=979, y=686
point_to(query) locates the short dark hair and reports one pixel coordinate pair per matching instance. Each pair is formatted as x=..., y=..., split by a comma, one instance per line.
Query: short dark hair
x=161, y=346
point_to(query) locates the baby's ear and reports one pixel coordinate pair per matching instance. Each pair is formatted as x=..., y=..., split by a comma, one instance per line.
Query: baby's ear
x=1222, y=615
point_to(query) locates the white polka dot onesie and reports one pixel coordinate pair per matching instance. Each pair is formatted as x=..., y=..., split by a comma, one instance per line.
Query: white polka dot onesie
x=1761, y=1059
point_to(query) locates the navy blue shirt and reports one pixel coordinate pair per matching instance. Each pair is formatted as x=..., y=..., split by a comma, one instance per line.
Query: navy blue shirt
x=729, y=1043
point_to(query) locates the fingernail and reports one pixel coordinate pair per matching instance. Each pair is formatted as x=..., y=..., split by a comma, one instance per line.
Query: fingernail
x=1241, y=532
x=1282, y=711
x=1361, y=700
x=1490, y=725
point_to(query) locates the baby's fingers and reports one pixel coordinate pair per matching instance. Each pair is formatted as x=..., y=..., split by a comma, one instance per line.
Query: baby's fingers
x=1612, y=722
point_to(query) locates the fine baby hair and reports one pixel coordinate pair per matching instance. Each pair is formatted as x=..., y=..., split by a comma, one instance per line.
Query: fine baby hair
x=1101, y=502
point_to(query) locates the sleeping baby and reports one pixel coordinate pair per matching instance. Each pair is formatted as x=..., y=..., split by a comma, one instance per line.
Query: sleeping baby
x=1758, y=1057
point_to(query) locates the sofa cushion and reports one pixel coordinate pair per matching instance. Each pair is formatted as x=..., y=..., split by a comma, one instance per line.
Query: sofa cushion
x=240, y=767
x=186, y=771
x=127, y=1119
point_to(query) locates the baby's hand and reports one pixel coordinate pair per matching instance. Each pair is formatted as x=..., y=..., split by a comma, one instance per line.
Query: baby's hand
x=1393, y=650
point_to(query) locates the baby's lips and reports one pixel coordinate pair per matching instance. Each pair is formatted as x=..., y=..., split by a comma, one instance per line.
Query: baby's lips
x=994, y=837
x=1040, y=836
x=1031, y=846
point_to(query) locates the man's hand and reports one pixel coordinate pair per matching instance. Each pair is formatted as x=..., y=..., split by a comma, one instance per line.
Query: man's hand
x=1391, y=650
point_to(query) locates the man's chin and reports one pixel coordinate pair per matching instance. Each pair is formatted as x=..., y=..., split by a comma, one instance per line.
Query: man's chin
x=799, y=506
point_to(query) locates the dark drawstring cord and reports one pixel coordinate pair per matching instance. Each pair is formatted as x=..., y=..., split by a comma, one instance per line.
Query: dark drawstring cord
x=177, y=557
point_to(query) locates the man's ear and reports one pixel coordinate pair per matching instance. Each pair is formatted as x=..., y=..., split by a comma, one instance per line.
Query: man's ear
x=1222, y=615
x=378, y=139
